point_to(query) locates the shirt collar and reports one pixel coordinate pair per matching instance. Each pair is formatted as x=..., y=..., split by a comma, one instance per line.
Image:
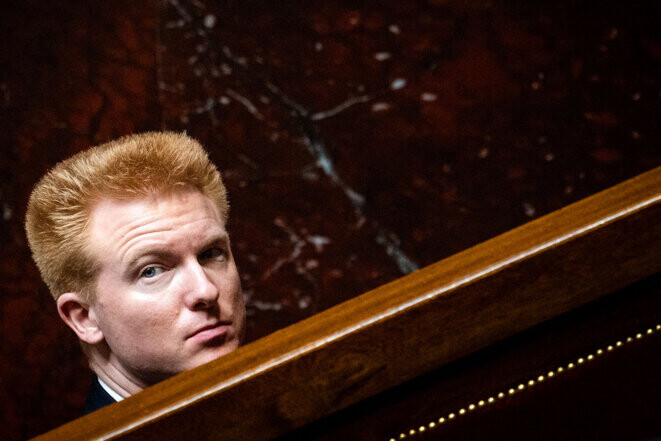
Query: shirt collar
x=115, y=396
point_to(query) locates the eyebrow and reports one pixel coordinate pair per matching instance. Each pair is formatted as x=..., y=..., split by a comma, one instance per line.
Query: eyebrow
x=147, y=254
x=163, y=252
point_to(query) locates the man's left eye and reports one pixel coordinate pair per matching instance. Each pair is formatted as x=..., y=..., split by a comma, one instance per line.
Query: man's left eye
x=212, y=253
x=151, y=271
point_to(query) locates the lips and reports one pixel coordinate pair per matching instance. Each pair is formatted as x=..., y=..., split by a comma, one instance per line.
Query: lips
x=210, y=332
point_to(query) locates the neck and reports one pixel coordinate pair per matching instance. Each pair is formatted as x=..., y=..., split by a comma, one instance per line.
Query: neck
x=105, y=366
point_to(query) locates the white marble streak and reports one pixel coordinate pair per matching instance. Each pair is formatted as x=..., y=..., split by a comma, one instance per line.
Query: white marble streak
x=340, y=107
x=181, y=10
x=246, y=103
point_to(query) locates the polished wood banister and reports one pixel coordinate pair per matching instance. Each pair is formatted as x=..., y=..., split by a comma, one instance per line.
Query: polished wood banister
x=402, y=329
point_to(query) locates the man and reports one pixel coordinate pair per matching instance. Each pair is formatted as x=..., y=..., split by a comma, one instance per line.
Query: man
x=130, y=238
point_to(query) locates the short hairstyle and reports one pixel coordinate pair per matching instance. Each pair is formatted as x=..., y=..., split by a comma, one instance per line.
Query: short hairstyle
x=131, y=167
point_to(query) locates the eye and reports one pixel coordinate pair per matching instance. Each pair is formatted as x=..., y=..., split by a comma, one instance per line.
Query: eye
x=151, y=271
x=212, y=253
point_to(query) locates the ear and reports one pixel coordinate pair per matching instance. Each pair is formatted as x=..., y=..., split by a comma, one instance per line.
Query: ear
x=75, y=312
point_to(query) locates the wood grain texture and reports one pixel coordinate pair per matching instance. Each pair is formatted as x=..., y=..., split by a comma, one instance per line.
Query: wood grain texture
x=403, y=329
x=510, y=362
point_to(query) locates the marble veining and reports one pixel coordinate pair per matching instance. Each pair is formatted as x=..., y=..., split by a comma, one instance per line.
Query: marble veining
x=311, y=139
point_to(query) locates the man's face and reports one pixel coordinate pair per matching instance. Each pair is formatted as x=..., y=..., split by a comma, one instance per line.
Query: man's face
x=168, y=295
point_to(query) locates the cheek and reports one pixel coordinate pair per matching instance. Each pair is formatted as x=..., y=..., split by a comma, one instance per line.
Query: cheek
x=231, y=294
x=236, y=292
x=135, y=317
x=239, y=308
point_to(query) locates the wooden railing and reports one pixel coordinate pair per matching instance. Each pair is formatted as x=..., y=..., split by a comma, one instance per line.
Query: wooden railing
x=404, y=329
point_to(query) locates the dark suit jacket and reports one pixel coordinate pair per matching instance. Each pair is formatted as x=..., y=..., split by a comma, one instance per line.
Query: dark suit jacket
x=97, y=397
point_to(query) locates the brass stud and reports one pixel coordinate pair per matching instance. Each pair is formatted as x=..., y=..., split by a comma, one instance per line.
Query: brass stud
x=530, y=382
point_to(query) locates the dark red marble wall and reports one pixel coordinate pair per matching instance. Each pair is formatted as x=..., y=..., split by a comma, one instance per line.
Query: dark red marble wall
x=359, y=140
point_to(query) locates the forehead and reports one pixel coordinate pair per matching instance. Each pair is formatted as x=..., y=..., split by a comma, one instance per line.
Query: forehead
x=183, y=214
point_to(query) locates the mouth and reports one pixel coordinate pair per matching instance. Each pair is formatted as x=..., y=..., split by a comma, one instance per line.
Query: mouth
x=218, y=330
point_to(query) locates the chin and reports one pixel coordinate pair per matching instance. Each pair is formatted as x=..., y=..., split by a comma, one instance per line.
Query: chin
x=214, y=353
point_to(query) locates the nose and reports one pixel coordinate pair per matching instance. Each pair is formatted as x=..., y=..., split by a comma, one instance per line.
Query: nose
x=201, y=292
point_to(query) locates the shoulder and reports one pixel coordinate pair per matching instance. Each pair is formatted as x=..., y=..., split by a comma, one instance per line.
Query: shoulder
x=97, y=397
